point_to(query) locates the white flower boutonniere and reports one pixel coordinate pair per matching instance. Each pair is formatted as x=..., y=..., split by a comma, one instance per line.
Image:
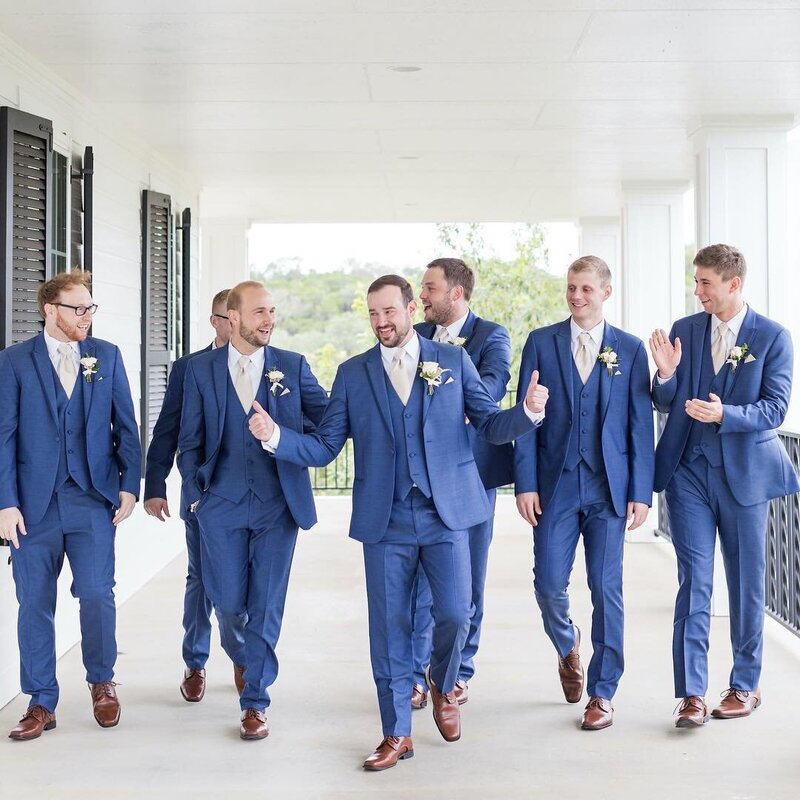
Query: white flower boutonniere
x=610, y=360
x=275, y=376
x=432, y=374
x=737, y=355
x=458, y=341
x=90, y=366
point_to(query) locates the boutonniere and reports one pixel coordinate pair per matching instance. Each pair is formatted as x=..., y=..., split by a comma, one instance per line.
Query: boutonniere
x=458, y=341
x=610, y=360
x=90, y=366
x=275, y=376
x=432, y=374
x=737, y=355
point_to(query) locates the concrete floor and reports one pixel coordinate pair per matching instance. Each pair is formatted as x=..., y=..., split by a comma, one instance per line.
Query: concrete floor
x=520, y=739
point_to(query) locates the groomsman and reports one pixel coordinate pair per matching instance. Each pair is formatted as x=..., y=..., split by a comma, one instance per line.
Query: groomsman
x=416, y=493
x=160, y=457
x=584, y=472
x=724, y=377
x=446, y=291
x=247, y=504
x=70, y=465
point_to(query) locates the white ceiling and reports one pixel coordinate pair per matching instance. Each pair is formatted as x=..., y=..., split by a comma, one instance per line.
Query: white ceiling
x=289, y=110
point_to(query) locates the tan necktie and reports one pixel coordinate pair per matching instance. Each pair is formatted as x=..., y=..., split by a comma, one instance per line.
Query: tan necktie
x=66, y=369
x=583, y=358
x=243, y=385
x=442, y=335
x=399, y=377
x=719, y=349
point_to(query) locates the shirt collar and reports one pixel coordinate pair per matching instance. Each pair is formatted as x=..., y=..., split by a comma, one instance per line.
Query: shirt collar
x=257, y=358
x=596, y=333
x=734, y=324
x=54, y=344
x=411, y=347
x=454, y=328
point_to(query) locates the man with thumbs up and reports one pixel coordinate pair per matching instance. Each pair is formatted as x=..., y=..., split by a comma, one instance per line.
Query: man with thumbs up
x=724, y=377
x=416, y=493
x=586, y=470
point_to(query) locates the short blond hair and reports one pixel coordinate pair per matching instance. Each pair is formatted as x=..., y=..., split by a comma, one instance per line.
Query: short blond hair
x=220, y=299
x=726, y=260
x=50, y=291
x=235, y=294
x=592, y=264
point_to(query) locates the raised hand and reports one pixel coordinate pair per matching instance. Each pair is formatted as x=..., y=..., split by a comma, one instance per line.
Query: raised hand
x=261, y=423
x=536, y=396
x=666, y=354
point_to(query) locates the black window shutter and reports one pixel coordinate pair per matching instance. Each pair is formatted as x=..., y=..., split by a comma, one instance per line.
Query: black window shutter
x=26, y=152
x=157, y=315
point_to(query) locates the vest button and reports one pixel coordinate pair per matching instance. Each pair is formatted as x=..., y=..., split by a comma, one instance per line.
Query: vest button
x=249, y=460
x=249, y=480
x=583, y=449
x=410, y=435
x=583, y=413
x=69, y=431
x=584, y=395
x=407, y=416
x=70, y=451
x=69, y=413
x=411, y=455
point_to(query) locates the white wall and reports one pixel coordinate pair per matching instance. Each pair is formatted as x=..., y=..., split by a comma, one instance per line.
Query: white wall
x=124, y=167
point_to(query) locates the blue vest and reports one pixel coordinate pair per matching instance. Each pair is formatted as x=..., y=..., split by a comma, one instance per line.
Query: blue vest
x=410, y=464
x=704, y=438
x=242, y=464
x=585, y=442
x=72, y=462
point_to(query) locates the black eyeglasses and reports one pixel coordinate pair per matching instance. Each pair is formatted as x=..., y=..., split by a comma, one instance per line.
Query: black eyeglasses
x=79, y=310
x=221, y=316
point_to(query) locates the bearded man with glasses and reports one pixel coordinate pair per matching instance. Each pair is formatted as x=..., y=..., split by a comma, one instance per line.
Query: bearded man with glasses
x=70, y=466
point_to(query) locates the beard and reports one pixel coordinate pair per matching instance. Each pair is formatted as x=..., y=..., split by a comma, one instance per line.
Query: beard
x=71, y=330
x=440, y=314
x=396, y=336
x=253, y=337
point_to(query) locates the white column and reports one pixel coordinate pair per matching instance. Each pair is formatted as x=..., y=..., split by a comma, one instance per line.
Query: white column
x=741, y=199
x=601, y=236
x=223, y=263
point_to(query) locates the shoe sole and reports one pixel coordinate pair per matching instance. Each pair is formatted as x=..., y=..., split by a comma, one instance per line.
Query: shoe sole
x=108, y=724
x=192, y=699
x=252, y=737
x=736, y=716
x=371, y=768
x=596, y=727
x=690, y=723
x=48, y=727
x=419, y=706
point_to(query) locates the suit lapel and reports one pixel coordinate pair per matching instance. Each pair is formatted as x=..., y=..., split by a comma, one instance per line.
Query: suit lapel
x=220, y=377
x=375, y=373
x=87, y=387
x=564, y=355
x=698, y=340
x=747, y=334
x=468, y=330
x=44, y=369
x=271, y=361
x=606, y=381
x=426, y=353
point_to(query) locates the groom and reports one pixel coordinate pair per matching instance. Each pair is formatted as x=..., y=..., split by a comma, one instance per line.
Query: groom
x=70, y=464
x=416, y=493
x=724, y=377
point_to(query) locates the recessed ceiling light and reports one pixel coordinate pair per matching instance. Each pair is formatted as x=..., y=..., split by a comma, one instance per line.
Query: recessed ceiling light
x=405, y=68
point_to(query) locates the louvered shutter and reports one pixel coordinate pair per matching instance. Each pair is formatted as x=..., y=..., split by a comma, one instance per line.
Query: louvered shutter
x=25, y=209
x=186, y=279
x=157, y=316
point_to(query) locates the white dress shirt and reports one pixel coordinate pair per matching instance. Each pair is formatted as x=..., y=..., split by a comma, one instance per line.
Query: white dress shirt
x=410, y=359
x=255, y=370
x=595, y=338
x=55, y=356
x=453, y=329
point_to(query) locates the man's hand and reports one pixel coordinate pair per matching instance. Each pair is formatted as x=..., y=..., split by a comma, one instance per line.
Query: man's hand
x=261, y=423
x=528, y=507
x=126, y=503
x=705, y=411
x=536, y=396
x=666, y=354
x=10, y=520
x=157, y=507
x=637, y=514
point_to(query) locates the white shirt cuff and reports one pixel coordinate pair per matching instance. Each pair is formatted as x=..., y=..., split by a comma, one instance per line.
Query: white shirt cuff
x=661, y=381
x=271, y=445
x=536, y=417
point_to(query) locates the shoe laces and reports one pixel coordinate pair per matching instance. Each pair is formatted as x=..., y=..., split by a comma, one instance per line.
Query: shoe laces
x=571, y=660
x=37, y=712
x=106, y=688
x=688, y=703
x=596, y=702
x=740, y=694
x=254, y=713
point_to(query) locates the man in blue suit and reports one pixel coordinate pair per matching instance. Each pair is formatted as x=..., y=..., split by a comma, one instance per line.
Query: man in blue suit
x=446, y=291
x=586, y=470
x=248, y=505
x=70, y=466
x=160, y=457
x=724, y=377
x=416, y=493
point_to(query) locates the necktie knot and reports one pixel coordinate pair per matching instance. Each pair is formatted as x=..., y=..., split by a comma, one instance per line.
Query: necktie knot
x=65, y=349
x=399, y=376
x=66, y=368
x=398, y=357
x=583, y=358
x=719, y=347
x=442, y=335
x=244, y=363
x=243, y=385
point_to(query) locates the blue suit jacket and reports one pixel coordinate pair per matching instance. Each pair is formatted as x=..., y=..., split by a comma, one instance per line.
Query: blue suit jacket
x=359, y=407
x=164, y=442
x=205, y=392
x=754, y=399
x=30, y=431
x=627, y=413
x=489, y=347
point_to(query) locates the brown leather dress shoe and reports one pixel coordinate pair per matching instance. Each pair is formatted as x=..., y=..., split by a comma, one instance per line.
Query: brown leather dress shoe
x=105, y=703
x=35, y=720
x=598, y=714
x=461, y=692
x=238, y=678
x=254, y=724
x=419, y=698
x=446, y=713
x=391, y=750
x=737, y=703
x=193, y=686
x=692, y=712
x=570, y=671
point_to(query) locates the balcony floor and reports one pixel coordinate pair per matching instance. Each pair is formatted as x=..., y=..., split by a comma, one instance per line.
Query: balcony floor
x=519, y=737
